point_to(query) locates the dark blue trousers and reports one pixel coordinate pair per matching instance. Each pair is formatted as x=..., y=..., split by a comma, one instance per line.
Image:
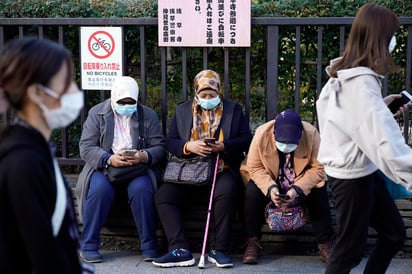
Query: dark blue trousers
x=97, y=204
x=360, y=203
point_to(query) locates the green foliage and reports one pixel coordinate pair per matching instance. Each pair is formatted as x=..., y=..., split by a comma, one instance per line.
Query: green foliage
x=322, y=8
x=78, y=8
x=260, y=8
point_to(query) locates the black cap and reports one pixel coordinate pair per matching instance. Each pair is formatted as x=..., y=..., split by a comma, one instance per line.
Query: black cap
x=288, y=127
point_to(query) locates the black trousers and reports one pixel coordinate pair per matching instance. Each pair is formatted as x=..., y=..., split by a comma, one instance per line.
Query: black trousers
x=361, y=203
x=317, y=204
x=171, y=198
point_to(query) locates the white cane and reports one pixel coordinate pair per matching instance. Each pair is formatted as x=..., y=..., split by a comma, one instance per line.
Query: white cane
x=209, y=210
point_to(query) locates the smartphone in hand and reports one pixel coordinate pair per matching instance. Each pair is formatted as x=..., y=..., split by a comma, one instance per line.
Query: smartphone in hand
x=209, y=140
x=283, y=196
x=398, y=102
x=129, y=152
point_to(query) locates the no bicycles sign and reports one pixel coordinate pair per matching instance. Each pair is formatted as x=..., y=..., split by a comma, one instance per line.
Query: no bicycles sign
x=101, y=44
x=101, y=56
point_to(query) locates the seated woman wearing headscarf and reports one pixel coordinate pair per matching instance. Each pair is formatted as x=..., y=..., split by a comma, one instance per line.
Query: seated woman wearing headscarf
x=205, y=116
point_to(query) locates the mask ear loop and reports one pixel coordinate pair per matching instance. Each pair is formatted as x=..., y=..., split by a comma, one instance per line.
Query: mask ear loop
x=50, y=92
x=392, y=44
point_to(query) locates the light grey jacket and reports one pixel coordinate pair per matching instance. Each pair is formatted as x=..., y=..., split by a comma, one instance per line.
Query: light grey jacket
x=358, y=132
x=97, y=138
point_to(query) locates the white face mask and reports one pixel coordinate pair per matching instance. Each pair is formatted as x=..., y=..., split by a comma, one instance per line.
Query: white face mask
x=392, y=44
x=286, y=148
x=71, y=104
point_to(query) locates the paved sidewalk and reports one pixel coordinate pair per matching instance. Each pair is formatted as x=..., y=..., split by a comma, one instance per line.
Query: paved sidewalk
x=125, y=262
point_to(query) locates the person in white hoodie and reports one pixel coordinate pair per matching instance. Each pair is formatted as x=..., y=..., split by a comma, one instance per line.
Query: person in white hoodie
x=359, y=136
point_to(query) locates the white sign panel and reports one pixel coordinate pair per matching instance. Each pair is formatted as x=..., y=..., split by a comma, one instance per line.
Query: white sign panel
x=204, y=23
x=101, y=56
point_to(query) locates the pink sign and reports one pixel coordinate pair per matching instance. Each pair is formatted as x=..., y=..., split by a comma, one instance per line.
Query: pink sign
x=204, y=23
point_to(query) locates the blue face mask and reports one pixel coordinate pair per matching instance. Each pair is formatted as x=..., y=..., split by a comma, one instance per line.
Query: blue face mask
x=286, y=148
x=125, y=110
x=209, y=103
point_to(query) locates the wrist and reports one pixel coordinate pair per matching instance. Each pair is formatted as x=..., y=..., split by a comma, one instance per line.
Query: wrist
x=109, y=162
x=270, y=190
x=186, y=151
x=300, y=195
x=145, y=157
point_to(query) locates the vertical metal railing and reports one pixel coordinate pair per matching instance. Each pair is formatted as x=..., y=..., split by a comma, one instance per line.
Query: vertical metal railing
x=247, y=84
x=272, y=41
x=273, y=29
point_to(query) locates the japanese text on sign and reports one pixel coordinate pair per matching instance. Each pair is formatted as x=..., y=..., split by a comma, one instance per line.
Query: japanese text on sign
x=210, y=23
x=101, y=57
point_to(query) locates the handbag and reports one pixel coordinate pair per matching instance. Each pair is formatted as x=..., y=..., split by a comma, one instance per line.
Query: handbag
x=286, y=218
x=194, y=171
x=127, y=173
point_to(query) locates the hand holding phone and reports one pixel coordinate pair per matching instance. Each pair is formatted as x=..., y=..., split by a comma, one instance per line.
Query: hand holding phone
x=209, y=140
x=283, y=196
x=129, y=152
x=399, y=102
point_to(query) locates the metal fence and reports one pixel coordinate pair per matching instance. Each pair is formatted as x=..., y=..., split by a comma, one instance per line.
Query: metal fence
x=274, y=28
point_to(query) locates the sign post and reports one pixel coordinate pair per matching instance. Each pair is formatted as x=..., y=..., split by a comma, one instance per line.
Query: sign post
x=101, y=56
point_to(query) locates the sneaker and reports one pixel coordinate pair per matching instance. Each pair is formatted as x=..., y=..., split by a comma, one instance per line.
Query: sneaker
x=176, y=257
x=91, y=256
x=219, y=258
x=149, y=255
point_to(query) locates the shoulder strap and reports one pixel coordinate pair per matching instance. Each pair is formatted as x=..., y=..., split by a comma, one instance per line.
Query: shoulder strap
x=142, y=132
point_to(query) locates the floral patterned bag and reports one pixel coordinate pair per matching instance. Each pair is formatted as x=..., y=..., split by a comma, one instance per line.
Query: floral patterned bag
x=289, y=217
x=285, y=218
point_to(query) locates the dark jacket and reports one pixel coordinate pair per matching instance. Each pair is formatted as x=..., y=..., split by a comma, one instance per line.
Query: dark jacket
x=97, y=139
x=27, y=201
x=234, y=125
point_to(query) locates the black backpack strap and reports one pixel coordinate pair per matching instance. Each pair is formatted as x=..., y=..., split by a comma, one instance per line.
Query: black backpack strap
x=142, y=132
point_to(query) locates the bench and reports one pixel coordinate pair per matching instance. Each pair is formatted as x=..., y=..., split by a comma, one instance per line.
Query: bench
x=120, y=227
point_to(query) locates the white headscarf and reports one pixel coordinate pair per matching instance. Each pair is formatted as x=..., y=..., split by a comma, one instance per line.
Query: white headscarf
x=123, y=87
